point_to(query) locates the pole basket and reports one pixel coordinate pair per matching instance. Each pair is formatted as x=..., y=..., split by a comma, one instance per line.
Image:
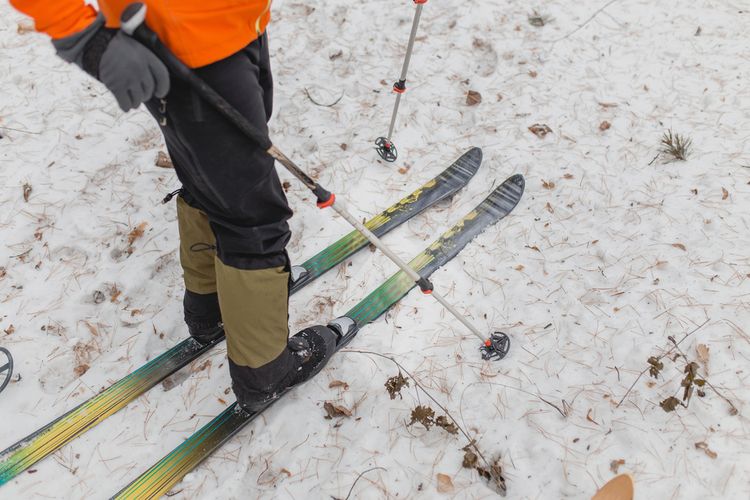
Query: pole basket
x=386, y=149
x=496, y=347
x=6, y=368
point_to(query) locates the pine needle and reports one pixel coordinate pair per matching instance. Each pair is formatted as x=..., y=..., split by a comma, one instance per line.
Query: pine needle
x=675, y=146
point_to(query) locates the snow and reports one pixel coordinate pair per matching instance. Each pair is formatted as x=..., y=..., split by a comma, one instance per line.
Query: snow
x=608, y=254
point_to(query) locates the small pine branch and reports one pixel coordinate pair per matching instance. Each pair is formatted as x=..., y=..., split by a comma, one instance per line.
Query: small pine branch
x=675, y=146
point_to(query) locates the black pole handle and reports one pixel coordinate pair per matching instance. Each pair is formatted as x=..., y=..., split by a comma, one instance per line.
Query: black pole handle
x=132, y=22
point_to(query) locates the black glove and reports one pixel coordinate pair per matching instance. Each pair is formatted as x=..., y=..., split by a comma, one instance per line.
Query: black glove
x=129, y=70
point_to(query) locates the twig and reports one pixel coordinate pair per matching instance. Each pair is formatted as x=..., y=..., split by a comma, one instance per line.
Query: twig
x=359, y=476
x=20, y=130
x=734, y=410
x=307, y=93
x=472, y=442
x=659, y=358
x=585, y=22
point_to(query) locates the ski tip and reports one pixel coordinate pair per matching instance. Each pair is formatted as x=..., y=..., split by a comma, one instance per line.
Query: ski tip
x=472, y=158
x=618, y=488
x=518, y=180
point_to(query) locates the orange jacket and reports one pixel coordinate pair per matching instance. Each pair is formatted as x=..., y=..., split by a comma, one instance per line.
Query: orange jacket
x=199, y=32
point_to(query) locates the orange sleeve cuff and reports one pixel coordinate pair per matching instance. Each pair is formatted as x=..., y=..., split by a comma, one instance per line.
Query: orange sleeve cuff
x=58, y=18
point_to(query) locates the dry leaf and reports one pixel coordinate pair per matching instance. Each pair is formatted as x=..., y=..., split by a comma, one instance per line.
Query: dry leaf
x=680, y=246
x=394, y=385
x=444, y=483
x=344, y=146
x=549, y=208
x=540, y=130
x=447, y=425
x=26, y=191
x=403, y=170
x=92, y=329
x=724, y=194
x=605, y=125
x=519, y=267
x=704, y=446
x=338, y=383
x=702, y=351
x=548, y=185
x=614, y=465
x=333, y=410
x=533, y=74
x=568, y=176
x=163, y=160
x=114, y=294
x=3, y=272
x=137, y=232
x=24, y=28
x=10, y=330
x=473, y=98
x=286, y=185
x=470, y=459
x=81, y=369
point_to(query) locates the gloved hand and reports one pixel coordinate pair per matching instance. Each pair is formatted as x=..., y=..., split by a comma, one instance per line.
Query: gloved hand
x=128, y=69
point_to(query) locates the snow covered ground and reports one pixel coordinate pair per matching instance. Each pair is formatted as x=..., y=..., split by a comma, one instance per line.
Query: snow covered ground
x=608, y=254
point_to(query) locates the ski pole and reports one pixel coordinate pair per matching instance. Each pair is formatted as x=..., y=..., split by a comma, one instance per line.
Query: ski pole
x=133, y=23
x=385, y=147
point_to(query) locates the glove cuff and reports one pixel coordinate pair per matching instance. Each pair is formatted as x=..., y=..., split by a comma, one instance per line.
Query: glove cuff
x=94, y=49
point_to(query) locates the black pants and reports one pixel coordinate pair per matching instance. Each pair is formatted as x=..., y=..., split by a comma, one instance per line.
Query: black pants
x=222, y=172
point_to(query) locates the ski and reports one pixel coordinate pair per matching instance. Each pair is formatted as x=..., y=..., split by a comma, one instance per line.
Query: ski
x=163, y=475
x=43, y=442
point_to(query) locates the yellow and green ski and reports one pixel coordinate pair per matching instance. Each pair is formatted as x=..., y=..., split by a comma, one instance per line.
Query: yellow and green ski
x=163, y=475
x=43, y=442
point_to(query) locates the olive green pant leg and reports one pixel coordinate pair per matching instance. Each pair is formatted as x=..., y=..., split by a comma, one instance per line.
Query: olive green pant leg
x=255, y=311
x=197, y=249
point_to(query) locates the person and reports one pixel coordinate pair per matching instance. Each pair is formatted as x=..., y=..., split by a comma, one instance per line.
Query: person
x=232, y=211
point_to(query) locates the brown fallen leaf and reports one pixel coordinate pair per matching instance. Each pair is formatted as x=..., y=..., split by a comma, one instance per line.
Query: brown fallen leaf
x=10, y=330
x=540, y=130
x=549, y=208
x=548, y=184
x=136, y=233
x=724, y=194
x=286, y=185
x=81, y=369
x=519, y=267
x=680, y=246
x=470, y=458
x=163, y=160
x=473, y=98
x=568, y=176
x=444, y=483
x=333, y=410
x=24, y=28
x=614, y=465
x=338, y=383
x=605, y=125
x=702, y=350
x=704, y=446
x=3, y=272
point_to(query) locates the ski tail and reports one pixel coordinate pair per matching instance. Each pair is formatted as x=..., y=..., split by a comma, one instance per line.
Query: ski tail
x=43, y=442
x=163, y=475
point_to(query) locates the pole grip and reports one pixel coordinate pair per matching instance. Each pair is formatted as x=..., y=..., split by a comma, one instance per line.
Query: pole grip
x=132, y=22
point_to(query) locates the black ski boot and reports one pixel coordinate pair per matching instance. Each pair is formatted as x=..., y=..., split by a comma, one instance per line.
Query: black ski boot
x=203, y=317
x=306, y=354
